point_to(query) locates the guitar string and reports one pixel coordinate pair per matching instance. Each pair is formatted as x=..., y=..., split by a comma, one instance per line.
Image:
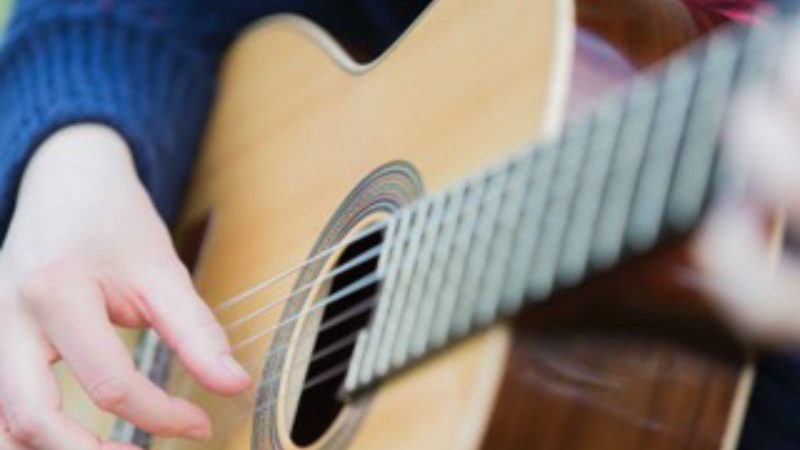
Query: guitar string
x=316, y=356
x=362, y=258
x=328, y=374
x=259, y=360
x=361, y=283
x=341, y=294
x=309, y=384
x=330, y=349
x=255, y=362
x=357, y=285
x=351, y=312
x=307, y=361
x=373, y=252
x=260, y=286
x=333, y=298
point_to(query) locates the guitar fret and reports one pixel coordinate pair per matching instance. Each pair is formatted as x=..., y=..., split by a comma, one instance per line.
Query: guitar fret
x=392, y=258
x=556, y=213
x=394, y=340
x=439, y=270
x=575, y=255
x=529, y=228
x=479, y=249
x=389, y=236
x=357, y=361
x=458, y=259
x=694, y=172
x=519, y=173
x=446, y=222
x=607, y=246
x=417, y=303
x=655, y=175
x=608, y=187
x=375, y=351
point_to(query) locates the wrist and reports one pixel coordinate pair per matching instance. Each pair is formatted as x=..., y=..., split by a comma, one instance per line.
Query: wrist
x=80, y=155
x=79, y=168
x=83, y=147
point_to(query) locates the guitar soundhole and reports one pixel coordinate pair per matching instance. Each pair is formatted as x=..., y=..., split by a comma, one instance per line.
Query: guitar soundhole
x=319, y=404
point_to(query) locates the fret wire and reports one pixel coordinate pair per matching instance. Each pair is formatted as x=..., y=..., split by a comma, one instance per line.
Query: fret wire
x=361, y=367
x=639, y=109
x=381, y=363
x=655, y=175
x=575, y=255
x=385, y=298
x=759, y=47
x=556, y=214
x=541, y=220
x=529, y=227
x=417, y=302
x=478, y=250
x=356, y=361
x=388, y=243
x=442, y=254
x=694, y=169
x=398, y=298
x=464, y=231
x=520, y=169
x=409, y=267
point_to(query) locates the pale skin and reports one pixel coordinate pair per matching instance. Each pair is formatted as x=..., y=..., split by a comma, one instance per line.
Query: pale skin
x=736, y=263
x=86, y=250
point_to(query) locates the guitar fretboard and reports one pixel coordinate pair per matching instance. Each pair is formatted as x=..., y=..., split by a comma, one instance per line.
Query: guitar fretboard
x=640, y=168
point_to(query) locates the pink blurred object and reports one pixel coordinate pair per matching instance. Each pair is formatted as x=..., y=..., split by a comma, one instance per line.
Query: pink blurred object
x=708, y=13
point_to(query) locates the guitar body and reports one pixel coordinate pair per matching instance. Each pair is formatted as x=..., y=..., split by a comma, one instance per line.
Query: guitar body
x=299, y=125
x=304, y=143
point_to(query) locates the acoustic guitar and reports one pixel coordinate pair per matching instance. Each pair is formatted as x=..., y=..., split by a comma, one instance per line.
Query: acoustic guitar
x=415, y=253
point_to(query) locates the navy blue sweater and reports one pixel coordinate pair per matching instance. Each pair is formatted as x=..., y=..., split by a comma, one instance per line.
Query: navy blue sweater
x=147, y=67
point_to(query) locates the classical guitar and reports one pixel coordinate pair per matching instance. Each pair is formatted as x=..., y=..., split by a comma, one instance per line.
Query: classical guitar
x=383, y=297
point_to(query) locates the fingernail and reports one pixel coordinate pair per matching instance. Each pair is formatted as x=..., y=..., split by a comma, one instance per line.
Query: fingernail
x=235, y=369
x=198, y=433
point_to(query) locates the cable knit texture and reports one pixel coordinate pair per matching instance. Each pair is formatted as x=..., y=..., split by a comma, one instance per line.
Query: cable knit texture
x=145, y=67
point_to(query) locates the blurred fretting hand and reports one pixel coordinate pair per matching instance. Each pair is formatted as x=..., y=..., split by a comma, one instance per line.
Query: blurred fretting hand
x=85, y=250
x=757, y=288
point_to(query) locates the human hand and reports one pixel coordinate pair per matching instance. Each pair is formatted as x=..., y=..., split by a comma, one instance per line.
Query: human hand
x=86, y=249
x=752, y=284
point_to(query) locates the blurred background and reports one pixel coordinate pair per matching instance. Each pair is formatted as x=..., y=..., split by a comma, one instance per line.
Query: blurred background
x=5, y=6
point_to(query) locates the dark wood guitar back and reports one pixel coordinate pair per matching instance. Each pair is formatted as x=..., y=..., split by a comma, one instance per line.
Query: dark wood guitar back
x=625, y=366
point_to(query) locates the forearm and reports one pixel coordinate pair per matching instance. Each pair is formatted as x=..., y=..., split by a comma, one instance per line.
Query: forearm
x=145, y=69
x=81, y=161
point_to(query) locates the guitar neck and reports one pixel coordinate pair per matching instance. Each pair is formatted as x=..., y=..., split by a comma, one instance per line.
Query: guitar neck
x=614, y=184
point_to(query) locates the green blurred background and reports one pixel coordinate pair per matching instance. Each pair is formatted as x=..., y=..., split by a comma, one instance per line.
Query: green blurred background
x=5, y=7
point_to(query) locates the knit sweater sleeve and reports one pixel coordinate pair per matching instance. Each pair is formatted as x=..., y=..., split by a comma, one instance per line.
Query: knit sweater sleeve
x=144, y=67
